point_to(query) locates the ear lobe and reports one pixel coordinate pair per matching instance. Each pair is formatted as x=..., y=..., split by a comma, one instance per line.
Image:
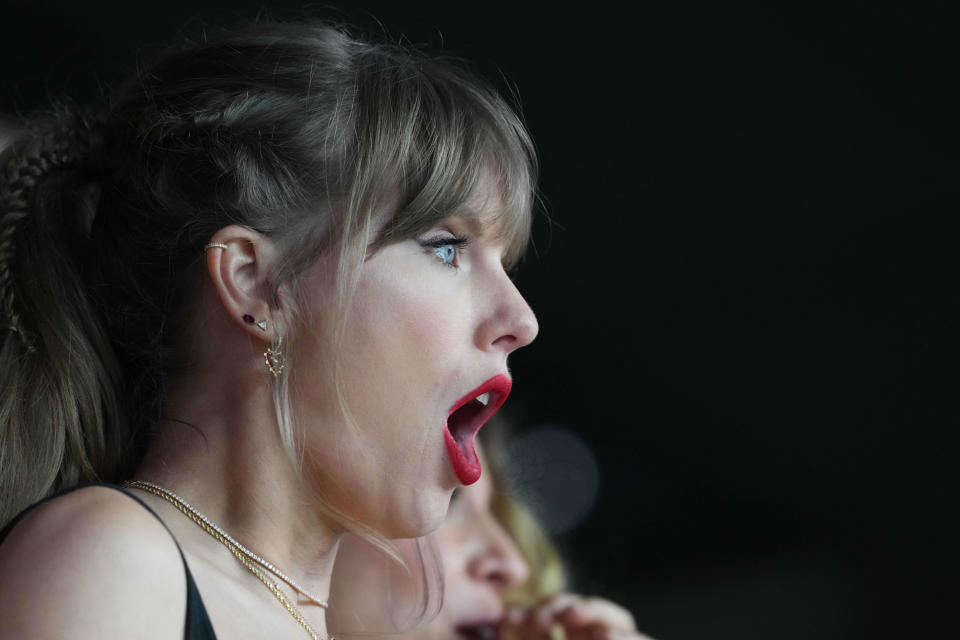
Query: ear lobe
x=241, y=275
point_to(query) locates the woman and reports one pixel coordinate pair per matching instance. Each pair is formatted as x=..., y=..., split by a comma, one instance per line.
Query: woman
x=502, y=576
x=268, y=285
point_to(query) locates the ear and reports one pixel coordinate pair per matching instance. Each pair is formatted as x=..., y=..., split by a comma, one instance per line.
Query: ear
x=242, y=275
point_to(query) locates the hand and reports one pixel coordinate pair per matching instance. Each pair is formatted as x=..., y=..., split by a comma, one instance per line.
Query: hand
x=581, y=619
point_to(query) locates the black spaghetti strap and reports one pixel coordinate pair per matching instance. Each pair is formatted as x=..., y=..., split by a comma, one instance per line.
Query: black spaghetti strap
x=197, y=625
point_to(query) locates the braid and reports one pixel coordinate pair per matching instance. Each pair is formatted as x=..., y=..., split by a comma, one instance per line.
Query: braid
x=23, y=172
x=61, y=414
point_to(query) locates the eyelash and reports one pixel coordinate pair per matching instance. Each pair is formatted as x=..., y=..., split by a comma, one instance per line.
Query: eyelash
x=458, y=243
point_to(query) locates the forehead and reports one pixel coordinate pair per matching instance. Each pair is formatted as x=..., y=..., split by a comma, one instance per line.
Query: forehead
x=489, y=216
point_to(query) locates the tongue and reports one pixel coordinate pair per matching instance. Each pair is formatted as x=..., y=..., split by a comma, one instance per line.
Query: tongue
x=459, y=436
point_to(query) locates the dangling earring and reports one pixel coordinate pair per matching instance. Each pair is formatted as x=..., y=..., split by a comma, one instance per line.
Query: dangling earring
x=273, y=356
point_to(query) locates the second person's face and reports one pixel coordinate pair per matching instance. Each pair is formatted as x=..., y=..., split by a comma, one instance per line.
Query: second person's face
x=480, y=562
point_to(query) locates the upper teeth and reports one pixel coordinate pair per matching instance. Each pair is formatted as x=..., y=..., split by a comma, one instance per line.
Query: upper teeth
x=484, y=398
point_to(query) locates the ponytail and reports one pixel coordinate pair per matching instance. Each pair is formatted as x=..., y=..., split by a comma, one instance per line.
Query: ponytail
x=61, y=421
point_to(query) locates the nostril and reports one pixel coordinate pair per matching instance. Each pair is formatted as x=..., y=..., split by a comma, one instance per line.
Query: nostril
x=506, y=342
x=507, y=575
x=498, y=580
x=521, y=333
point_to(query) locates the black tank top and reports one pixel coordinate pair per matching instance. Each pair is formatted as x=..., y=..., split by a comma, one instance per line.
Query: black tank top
x=197, y=624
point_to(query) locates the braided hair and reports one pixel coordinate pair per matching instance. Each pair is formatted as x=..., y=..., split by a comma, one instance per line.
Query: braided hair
x=22, y=171
x=57, y=362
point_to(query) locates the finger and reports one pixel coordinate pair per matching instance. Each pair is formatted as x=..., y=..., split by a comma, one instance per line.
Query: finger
x=547, y=611
x=520, y=623
x=597, y=613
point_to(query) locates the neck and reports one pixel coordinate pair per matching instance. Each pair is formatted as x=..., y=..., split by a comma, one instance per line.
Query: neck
x=220, y=450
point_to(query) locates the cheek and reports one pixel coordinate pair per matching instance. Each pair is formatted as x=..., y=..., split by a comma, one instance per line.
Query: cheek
x=405, y=334
x=405, y=311
x=396, y=358
x=400, y=358
x=452, y=540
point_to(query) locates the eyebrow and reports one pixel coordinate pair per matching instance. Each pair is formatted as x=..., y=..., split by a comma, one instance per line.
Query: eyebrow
x=474, y=221
x=470, y=218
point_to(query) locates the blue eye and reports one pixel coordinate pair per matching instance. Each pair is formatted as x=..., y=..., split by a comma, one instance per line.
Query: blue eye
x=447, y=249
x=447, y=254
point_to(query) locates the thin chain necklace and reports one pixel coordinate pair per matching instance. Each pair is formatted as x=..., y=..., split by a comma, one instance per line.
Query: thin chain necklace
x=244, y=555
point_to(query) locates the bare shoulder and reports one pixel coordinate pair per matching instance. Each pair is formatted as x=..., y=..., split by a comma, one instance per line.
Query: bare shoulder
x=91, y=564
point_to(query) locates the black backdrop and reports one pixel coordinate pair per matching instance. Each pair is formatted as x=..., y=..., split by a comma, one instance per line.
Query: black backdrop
x=748, y=298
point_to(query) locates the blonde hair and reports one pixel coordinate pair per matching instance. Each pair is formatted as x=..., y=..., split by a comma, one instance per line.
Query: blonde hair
x=297, y=130
x=548, y=573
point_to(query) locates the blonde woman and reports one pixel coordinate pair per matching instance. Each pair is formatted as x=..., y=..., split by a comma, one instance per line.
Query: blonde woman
x=267, y=287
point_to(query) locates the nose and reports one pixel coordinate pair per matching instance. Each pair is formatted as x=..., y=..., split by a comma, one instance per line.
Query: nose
x=511, y=323
x=498, y=562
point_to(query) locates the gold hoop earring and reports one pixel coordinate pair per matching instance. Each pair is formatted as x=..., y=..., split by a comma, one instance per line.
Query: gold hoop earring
x=273, y=356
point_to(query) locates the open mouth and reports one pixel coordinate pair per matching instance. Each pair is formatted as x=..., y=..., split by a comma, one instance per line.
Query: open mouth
x=481, y=631
x=465, y=419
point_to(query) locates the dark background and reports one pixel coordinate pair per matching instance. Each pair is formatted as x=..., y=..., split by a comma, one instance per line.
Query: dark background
x=748, y=297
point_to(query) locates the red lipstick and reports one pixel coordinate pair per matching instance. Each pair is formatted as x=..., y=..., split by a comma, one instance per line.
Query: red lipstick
x=465, y=418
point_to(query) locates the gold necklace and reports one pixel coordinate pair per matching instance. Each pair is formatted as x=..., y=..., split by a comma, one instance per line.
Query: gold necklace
x=269, y=566
x=244, y=555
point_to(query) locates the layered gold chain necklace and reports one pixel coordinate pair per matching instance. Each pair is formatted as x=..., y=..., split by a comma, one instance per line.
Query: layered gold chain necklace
x=246, y=557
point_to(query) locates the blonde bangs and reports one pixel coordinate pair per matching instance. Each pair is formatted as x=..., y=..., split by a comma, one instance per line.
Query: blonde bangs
x=444, y=133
